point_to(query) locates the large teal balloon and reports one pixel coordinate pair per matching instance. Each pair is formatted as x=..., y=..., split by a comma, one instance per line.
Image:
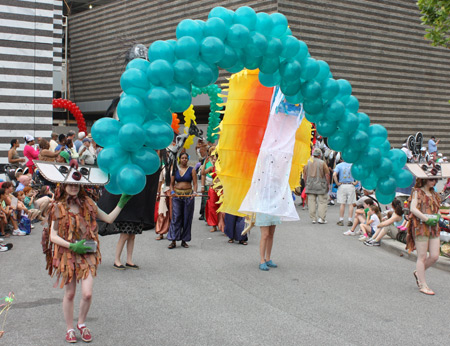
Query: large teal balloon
x=220, y=12
x=350, y=154
x=131, y=179
x=164, y=116
x=303, y=52
x=187, y=48
x=372, y=155
x=324, y=71
x=105, y=131
x=160, y=73
x=386, y=185
x=112, y=186
x=370, y=182
x=246, y=16
x=384, y=168
x=269, y=65
x=183, y=71
x=377, y=133
x=215, y=26
x=204, y=75
x=384, y=147
x=338, y=140
x=398, y=158
x=311, y=90
x=264, y=23
x=212, y=50
x=274, y=47
x=131, y=109
x=280, y=24
x=290, y=88
x=345, y=89
x=238, y=36
x=349, y=123
x=384, y=198
x=352, y=104
x=326, y=127
x=334, y=110
x=161, y=50
x=359, y=171
x=252, y=62
x=257, y=45
x=360, y=140
x=364, y=121
x=134, y=82
x=310, y=69
x=158, y=99
x=404, y=178
x=131, y=137
x=147, y=159
x=330, y=88
x=269, y=80
x=181, y=98
x=189, y=27
x=140, y=64
x=290, y=70
x=291, y=46
x=295, y=99
x=313, y=107
x=229, y=59
x=111, y=158
x=159, y=134
x=313, y=118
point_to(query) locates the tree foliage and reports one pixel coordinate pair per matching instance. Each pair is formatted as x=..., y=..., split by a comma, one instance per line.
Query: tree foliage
x=435, y=14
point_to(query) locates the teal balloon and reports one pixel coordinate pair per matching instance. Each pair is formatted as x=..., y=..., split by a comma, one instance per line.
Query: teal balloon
x=313, y=118
x=269, y=80
x=238, y=67
x=246, y=16
x=220, y=12
x=189, y=27
x=364, y=121
x=252, y=62
x=159, y=134
x=384, y=147
x=161, y=50
x=187, y=48
x=360, y=139
x=112, y=186
x=160, y=73
x=370, y=183
x=377, y=133
x=269, y=65
x=215, y=26
x=147, y=159
x=212, y=50
x=350, y=154
x=131, y=109
x=134, y=82
x=131, y=137
x=183, y=71
x=326, y=127
x=330, y=89
x=290, y=88
x=274, y=47
x=295, y=99
x=173, y=43
x=338, y=140
x=352, y=104
x=257, y=45
x=111, y=159
x=372, y=156
x=291, y=47
x=384, y=168
x=238, y=36
x=204, y=75
x=105, y=131
x=345, y=89
x=398, y=158
x=302, y=52
x=310, y=69
x=349, y=122
x=280, y=24
x=131, y=179
x=140, y=64
x=290, y=70
x=158, y=99
x=264, y=23
x=164, y=116
x=324, y=71
x=359, y=171
x=229, y=59
x=386, y=185
x=334, y=110
x=181, y=98
x=384, y=198
x=313, y=107
x=310, y=90
x=404, y=178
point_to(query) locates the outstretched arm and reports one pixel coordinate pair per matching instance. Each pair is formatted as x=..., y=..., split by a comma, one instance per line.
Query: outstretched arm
x=109, y=218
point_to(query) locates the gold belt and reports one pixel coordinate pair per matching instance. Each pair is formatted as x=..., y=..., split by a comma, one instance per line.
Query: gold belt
x=183, y=192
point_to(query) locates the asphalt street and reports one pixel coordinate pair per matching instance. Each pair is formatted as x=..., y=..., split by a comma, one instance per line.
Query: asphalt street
x=329, y=289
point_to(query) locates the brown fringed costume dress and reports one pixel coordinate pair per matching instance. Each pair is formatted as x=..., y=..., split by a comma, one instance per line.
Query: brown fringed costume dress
x=72, y=227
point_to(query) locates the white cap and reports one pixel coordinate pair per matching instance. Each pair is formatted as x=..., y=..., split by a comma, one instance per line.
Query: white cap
x=423, y=149
x=404, y=145
x=440, y=154
x=28, y=138
x=81, y=135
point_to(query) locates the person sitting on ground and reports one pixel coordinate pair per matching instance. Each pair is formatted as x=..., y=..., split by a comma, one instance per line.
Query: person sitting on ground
x=10, y=207
x=388, y=226
x=3, y=213
x=22, y=213
x=372, y=222
x=360, y=216
x=28, y=201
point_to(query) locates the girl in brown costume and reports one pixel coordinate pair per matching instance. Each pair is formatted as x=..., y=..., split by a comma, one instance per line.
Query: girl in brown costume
x=72, y=221
x=423, y=232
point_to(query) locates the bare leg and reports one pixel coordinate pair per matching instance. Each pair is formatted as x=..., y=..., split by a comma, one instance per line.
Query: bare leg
x=434, y=246
x=350, y=211
x=365, y=229
x=379, y=234
x=130, y=247
x=86, y=298
x=69, y=296
x=421, y=247
x=263, y=243
x=122, y=239
x=342, y=211
x=269, y=243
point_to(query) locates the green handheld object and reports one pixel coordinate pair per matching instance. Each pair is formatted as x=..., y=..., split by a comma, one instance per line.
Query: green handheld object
x=432, y=220
x=79, y=247
x=124, y=200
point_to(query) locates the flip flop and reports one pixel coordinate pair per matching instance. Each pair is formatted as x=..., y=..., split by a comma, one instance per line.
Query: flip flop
x=243, y=242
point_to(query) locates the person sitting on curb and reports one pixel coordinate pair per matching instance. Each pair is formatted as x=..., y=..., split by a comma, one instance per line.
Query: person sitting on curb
x=372, y=222
x=360, y=216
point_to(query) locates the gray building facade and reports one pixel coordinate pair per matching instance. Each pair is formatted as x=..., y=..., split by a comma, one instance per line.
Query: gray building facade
x=401, y=81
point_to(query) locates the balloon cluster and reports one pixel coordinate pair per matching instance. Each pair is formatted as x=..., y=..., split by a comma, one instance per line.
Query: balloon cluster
x=72, y=108
x=215, y=100
x=234, y=40
x=175, y=123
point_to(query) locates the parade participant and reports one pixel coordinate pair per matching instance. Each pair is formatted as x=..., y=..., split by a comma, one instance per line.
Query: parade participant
x=165, y=202
x=206, y=182
x=346, y=194
x=317, y=180
x=211, y=208
x=71, y=246
x=423, y=230
x=13, y=156
x=30, y=153
x=183, y=186
x=234, y=225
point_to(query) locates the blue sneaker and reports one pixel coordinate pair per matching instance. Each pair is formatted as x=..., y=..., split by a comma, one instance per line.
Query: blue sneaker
x=270, y=264
x=263, y=266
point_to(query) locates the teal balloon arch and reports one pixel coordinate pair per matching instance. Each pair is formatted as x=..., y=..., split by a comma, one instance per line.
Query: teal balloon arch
x=215, y=101
x=234, y=40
